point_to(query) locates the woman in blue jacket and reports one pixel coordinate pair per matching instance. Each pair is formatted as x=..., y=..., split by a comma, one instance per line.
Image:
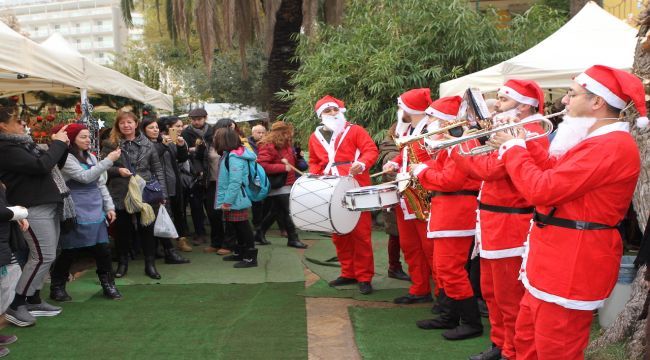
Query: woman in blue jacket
x=231, y=194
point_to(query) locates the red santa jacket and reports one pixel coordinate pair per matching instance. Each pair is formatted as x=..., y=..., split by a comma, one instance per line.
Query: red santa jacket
x=421, y=154
x=271, y=157
x=450, y=215
x=352, y=144
x=499, y=235
x=594, y=181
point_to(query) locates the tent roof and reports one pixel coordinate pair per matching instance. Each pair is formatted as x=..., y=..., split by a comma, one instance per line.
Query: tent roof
x=593, y=36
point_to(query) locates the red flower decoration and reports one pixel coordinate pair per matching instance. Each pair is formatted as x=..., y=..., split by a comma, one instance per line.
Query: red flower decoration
x=50, y=117
x=39, y=118
x=14, y=98
x=145, y=113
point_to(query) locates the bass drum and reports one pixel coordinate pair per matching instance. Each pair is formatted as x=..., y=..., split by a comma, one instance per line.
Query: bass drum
x=317, y=204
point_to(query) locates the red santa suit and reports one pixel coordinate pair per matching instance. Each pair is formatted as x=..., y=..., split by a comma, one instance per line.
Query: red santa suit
x=502, y=223
x=335, y=157
x=573, y=252
x=417, y=248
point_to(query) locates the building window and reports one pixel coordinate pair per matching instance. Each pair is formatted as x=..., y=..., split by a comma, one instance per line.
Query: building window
x=100, y=55
x=57, y=27
x=99, y=23
x=100, y=39
x=77, y=25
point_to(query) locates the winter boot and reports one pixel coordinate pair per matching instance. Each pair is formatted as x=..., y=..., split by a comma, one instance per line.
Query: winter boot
x=295, y=242
x=470, y=321
x=108, y=285
x=249, y=259
x=260, y=238
x=448, y=318
x=122, y=266
x=172, y=257
x=57, y=291
x=236, y=255
x=150, y=267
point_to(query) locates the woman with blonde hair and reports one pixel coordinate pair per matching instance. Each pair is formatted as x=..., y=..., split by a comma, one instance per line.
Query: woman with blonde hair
x=138, y=157
x=277, y=156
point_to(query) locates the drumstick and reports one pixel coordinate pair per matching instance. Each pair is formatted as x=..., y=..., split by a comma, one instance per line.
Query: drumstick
x=379, y=173
x=286, y=162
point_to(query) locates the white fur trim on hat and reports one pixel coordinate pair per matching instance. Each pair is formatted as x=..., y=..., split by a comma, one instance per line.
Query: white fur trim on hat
x=642, y=122
x=601, y=90
x=407, y=109
x=511, y=93
x=439, y=114
x=326, y=105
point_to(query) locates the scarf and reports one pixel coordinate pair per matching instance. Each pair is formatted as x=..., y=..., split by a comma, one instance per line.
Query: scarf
x=65, y=211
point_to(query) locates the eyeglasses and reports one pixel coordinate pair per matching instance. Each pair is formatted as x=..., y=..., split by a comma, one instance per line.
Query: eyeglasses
x=571, y=94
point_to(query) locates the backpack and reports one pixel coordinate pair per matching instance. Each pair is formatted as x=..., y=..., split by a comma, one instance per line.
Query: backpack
x=258, y=182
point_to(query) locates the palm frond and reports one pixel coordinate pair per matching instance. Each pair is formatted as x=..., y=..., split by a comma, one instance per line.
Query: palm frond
x=126, y=7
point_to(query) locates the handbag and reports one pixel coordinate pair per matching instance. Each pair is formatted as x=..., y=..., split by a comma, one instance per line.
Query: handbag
x=152, y=192
x=277, y=180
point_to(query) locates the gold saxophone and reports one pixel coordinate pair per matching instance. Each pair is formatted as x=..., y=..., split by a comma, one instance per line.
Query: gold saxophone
x=414, y=194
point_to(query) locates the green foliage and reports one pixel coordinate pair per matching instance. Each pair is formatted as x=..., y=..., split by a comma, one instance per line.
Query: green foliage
x=386, y=47
x=562, y=5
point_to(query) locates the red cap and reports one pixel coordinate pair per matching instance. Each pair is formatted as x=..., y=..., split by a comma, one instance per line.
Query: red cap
x=617, y=87
x=328, y=101
x=415, y=101
x=445, y=108
x=525, y=92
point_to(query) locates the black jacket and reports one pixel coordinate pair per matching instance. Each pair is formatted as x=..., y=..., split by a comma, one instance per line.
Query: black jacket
x=178, y=154
x=199, y=158
x=27, y=171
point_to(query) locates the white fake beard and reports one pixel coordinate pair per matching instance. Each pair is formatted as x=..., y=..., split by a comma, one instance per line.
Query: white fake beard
x=570, y=132
x=334, y=123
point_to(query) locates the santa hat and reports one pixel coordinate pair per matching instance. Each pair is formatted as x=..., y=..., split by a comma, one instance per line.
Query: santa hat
x=72, y=130
x=445, y=108
x=328, y=101
x=524, y=92
x=415, y=101
x=617, y=87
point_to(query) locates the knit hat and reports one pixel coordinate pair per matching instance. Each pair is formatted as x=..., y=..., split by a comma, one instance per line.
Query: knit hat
x=328, y=101
x=445, y=108
x=525, y=92
x=617, y=87
x=72, y=130
x=415, y=101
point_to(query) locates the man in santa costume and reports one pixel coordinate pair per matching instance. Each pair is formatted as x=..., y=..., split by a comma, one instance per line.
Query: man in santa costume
x=581, y=192
x=417, y=248
x=451, y=227
x=503, y=220
x=341, y=148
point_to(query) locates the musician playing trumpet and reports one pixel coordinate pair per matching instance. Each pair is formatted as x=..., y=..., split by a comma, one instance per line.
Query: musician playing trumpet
x=340, y=148
x=412, y=211
x=503, y=219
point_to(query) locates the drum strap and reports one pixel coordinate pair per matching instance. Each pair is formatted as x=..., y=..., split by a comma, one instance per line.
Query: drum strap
x=331, y=147
x=411, y=131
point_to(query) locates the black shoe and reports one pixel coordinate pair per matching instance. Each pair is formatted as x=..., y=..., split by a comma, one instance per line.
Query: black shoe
x=483, y=309
x=236, y=255
x=260, y=238
x=398, y=274
x=340, y=281
x=493, y=353
x=249, y=259
x=122, y=267
x=172, y=257
x=297, y=244
x=470, y=321
x=58, y=293
x=413, y=299
x=108, y=286
x=365, y=287
x=150, y=268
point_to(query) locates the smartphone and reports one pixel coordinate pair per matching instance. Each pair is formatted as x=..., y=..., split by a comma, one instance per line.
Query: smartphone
x=173, y=133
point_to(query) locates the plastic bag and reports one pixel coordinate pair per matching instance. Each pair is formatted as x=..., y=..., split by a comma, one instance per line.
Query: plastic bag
x=164, y=226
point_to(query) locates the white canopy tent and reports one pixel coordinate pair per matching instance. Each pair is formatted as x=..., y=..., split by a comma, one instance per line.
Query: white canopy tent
x=593, y=36
x=55, y=66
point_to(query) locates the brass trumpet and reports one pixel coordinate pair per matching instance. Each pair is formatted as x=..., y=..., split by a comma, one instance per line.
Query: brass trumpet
x=490, y=130
x=401, y=142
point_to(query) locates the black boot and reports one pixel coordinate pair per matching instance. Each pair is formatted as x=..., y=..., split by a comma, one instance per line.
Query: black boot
x=108, y=285
x=249, y=259
x=172, y=257
x=493, y=353
x=294, y=241
x=150, y=267
x=448, y=318
x=470, y=321
x=437, y=308
x=260, y=237
x=237, y=255
x=122, y=266
x=57, y=291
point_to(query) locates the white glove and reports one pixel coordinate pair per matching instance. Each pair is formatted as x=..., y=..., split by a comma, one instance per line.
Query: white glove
x=20, y=212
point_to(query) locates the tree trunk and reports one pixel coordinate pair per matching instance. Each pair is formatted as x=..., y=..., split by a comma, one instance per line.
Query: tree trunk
x=626, y=328
x=281, y=62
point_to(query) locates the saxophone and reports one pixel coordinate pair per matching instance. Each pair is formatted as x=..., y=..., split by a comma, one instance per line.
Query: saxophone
x=414, y=193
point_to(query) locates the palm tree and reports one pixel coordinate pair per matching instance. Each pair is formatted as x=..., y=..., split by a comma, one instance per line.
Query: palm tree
x=235, y=24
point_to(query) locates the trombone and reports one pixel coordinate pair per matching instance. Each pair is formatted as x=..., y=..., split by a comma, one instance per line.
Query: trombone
x=401, y=142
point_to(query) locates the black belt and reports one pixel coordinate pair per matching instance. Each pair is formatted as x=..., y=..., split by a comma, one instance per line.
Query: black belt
x=543, y=220
x=461, y=192
x=506, y=209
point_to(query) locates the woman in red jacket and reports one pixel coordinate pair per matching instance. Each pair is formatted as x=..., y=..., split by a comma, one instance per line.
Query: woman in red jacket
x=276, y=154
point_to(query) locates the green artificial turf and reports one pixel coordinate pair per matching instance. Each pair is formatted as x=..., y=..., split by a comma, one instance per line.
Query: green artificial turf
x=392, y=334
x=200, y=321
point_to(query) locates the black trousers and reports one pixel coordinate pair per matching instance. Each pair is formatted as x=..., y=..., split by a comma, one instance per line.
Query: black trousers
x=179, y=215
x=197, y=199
x=215, y=217
x=280, y=212
x=127, y=227
x=61, y=268
x=244, y=234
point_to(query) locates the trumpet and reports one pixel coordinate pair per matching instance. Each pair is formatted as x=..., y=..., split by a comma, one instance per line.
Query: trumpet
x=546, y=124
x=401, y=142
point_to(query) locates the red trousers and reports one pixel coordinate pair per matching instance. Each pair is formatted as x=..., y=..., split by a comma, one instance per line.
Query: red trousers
x=418, y=252
x=548, y=331
x=354, y=250
x=502, y=291
x=450, y=258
